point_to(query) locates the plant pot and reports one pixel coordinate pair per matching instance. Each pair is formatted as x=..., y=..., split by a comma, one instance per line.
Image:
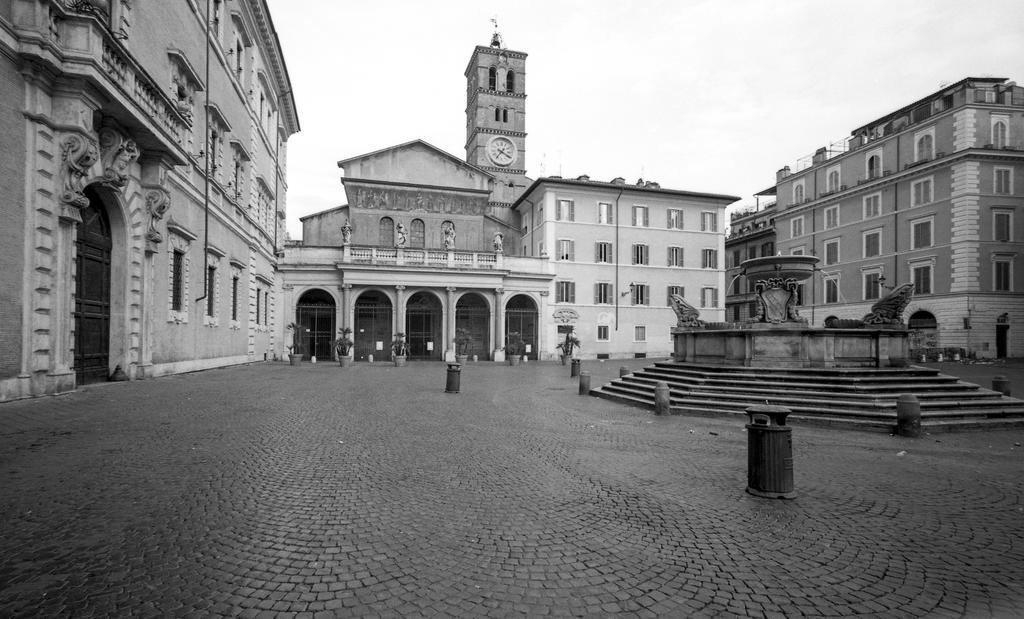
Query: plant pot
x=400, y=361
x=461, y=359
x=514, y=359
x=345, y=361
x=294, y=359
x=563, y=357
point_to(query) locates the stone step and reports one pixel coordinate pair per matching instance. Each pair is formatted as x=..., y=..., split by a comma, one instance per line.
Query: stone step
x=853, y=391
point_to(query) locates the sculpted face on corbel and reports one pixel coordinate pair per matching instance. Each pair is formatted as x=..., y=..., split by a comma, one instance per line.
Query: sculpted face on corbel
x=118, y=153
x=77, y=155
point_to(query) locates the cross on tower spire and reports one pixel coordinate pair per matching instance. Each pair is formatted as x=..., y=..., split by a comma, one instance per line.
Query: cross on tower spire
x=496, y=37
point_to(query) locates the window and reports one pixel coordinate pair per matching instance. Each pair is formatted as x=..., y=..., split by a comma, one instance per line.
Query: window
x=675, y=256
x=603, y=293
x=872, y=287
x=675, y=219
x=921, y=233
x=177, y=280
x=709, y=221
x=602, y=252
x=211, y=288
x=999, y=131
x=640, y=254
x=872, y=205
x=831, y=290
x=832, y=217
x=709, y=297
x=386, y=232
x=565, y=292
x=924, y=145
x=604, y=213
x=833, y=179
x=798, y=192
x=796, y=227
x=234, y=298
x=1002, y=182
x=922, y=191
x=797, y=251
x=641, y=294
x=492, y=78
x=873, y=165
x=737, y=256
x=504, y=115
x=767, y=249
x=640, y=216
x=872, y=243
x=565, y=211
x=417, y=238
x=1002, y=270
x=510, y=81
x=497, y=114
x=1002, y=226
x=259, y=296
x=266, y=307
x=709, y=259
x=921, y=276
x=640, y=333
x=801, y=292
x=602, y=333
x=679, y=290
x=566, y=250
x=832, y=251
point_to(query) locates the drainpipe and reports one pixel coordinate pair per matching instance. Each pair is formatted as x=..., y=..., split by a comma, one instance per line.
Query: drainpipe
x=617, y=249
x=206, y=167
x=277, y=167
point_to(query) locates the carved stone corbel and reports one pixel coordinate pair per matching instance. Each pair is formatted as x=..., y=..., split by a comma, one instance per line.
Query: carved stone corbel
x=77, y=155
x=118, y=153
x=158, y=201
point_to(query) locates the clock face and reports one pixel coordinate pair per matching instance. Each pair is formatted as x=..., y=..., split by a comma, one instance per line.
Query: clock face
x=501, y=150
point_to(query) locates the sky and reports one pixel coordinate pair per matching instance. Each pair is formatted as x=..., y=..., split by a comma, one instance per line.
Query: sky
x=699, y=95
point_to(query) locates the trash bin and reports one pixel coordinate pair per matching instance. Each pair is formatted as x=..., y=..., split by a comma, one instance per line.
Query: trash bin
x=574, y=370
x=454, y=377
x=769, y=453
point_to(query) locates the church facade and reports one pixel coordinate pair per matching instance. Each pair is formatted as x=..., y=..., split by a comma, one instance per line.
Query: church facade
x=142, y=196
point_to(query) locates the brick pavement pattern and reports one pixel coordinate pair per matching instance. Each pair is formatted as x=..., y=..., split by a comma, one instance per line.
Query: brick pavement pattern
x=270, y=490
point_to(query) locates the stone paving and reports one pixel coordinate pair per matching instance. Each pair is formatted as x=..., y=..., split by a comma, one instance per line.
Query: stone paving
x=307, y=491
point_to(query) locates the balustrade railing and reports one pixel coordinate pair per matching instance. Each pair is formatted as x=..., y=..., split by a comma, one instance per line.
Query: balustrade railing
x=421, y=257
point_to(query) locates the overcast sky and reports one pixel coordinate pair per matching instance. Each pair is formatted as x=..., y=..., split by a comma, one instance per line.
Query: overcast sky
x=711, y=95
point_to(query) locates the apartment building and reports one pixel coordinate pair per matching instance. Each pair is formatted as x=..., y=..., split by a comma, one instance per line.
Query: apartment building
x=751, y=235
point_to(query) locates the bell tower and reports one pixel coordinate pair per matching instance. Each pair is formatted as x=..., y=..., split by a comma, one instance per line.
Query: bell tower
x=496, y=119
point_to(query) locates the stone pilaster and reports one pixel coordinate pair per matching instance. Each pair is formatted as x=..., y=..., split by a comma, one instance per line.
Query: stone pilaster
x=965, y=129
x=399, y=309
x=965, y=213
x=449, y=324
x=499, y=324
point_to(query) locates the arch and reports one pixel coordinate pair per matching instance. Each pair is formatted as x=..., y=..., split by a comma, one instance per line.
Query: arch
x=922, y=319
x=386, y=232
x=504, y=115
x=417, y=237
x=510, y=81
x=92, y=309
x=492, y=78
x=798, y=194
x=874, y=166
x=315, y=315
x=521, y=317
x=833, y=180
x=999, y=134
x=497, y=114
x=924, y=331
x=423, y=325
x=372, y=312
x=924, y=147
x=473, y=314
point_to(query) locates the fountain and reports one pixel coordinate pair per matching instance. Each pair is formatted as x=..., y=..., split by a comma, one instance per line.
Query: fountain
x=777, y=336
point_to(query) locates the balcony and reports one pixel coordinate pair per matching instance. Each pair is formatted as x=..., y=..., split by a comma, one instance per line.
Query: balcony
x=422, y=257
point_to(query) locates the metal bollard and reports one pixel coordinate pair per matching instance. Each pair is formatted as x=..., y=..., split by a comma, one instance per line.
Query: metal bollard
x=574, y=370
x=908, y=416
x=584, y=383
x=623, y=371
x=1000, y=384
x=454, y=377
x=661, y=399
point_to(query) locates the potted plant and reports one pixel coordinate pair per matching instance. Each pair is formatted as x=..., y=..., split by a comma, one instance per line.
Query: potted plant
x=343, y=346
x=515, y=349
x=294, y=356
x=399, y=349
x=568, y=346
x=462, y=340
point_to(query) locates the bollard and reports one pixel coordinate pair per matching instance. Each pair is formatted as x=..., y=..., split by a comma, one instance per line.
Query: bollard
x=584, y=383
x=574, y=370
x=661, y=399
x=908, y=416
x=454, y=376
x=1000, y=384
x=769, y=453
x=623, y=371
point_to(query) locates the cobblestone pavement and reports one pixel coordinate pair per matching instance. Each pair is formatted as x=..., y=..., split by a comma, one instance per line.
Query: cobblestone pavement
x=317, y=491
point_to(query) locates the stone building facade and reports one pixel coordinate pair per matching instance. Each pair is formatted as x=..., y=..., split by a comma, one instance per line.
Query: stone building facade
x=751, y=235
x=142, y=186
x=930, y=194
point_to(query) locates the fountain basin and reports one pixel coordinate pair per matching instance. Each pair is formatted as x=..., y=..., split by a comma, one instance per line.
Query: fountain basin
x=798, y=268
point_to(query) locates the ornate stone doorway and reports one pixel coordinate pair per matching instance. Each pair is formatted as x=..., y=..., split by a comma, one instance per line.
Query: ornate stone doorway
x=423, y=315
x=92, y=293
x=315, y=313
x=521, y=316
x=473, y=315
x=372, y=325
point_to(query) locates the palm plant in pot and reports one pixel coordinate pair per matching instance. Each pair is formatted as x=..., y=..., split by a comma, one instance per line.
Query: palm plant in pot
x=294, y=356
x=568, y=346
x=462, y=340
x=399, y=349
x=515, y=349
x=343, y=346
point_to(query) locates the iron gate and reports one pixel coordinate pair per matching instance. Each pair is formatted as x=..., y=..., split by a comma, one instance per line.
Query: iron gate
x=315, y=316
x=372, y=325
x=473, y=315
x=521, y=316
x=423, y=326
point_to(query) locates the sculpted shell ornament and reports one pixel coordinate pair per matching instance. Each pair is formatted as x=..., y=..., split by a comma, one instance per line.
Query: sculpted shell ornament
x=158, y=200
x=77, y=154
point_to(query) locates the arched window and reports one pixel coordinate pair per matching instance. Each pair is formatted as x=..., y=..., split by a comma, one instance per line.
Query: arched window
x=497, y=114
x=510, y=82
x=418, y=235
x=798, y=194
x=874, y=163
x=999, y=134
x=492, y=78
x=833, y=180
x=924, y=147
x=387, y=232
x=504, y=115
